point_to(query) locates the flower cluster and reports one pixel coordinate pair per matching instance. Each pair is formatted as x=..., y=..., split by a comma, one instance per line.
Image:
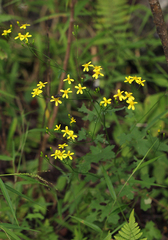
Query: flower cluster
x=65, y=92
x=69, y=134
x=23, y=36
x=96, y=69
x=20, y=35
x=5, y=32
x=138, y=80
x=62, y=155
x=123, y=95
x=37, y=91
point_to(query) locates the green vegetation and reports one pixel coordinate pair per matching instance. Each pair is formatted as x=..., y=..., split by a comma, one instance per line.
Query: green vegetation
x=83, y=109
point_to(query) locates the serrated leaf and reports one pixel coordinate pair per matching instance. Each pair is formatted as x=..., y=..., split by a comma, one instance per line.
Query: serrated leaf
x=91, y=115
x=82, y=134
x=130, y=231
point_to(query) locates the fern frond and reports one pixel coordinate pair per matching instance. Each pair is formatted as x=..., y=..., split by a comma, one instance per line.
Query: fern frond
x=113, y=14
x=130, y=231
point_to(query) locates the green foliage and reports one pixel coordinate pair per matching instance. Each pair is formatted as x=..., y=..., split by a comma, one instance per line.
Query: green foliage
x=130, y=230
x=120, y=159
x=151, y=232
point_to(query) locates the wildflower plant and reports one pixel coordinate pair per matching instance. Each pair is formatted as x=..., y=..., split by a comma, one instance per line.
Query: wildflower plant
x=102, y=106
x=22, y=36
x=105, y=105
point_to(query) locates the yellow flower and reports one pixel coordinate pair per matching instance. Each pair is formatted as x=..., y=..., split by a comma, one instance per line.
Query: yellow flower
x=97, y=73
x=97, y=68
x=129, y=79
x=57, y=127
x=5, y=32
x=36, y=92
x=66, y=131
x=56, y=100
x=141, y=82
x=24, y=25
x=131, y=104
x=119, y=95
x=71, y=135
x=86, y=66
x=62, y=155
x=59, y=154
x=62, y=145
x=136, y=79
x=41, y=84
x=56, y=154
x=26, y=36
x=20, y=36
x=72, y=120
x=80, y=88
x=68, y=79
x=69, y=155
x=105, y=102
x=65, y=92
x=128, y=95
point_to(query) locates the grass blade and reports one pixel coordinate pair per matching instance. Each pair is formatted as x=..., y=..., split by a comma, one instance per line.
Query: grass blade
x=91, y=225
x=9, y=232
x=6, y=196
x=109, y=184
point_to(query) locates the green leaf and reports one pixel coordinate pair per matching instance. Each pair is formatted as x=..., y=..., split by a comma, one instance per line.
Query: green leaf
x=37, y=130
x=151, y=231
x=130, y=231
x=6, y=196
x=5, y=158
x=9, y=232
x=108, y=237
x=51, y=16
x=4, y=49
x=97, y=154
x=12, y=226
x=149, y=162
x=90, y=114
x=32, y=216
x=91, y=225
x=145, y=203
x=127, y=191
x=7, y=94
x=7, y=17
x=109, y=184
x=20, y=194
x=11, y=132
x=82, y=134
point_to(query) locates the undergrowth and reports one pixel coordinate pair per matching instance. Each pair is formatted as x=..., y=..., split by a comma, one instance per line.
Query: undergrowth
x=83, y=121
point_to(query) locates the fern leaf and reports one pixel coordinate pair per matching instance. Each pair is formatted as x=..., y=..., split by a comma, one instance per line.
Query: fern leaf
x=130, y=231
